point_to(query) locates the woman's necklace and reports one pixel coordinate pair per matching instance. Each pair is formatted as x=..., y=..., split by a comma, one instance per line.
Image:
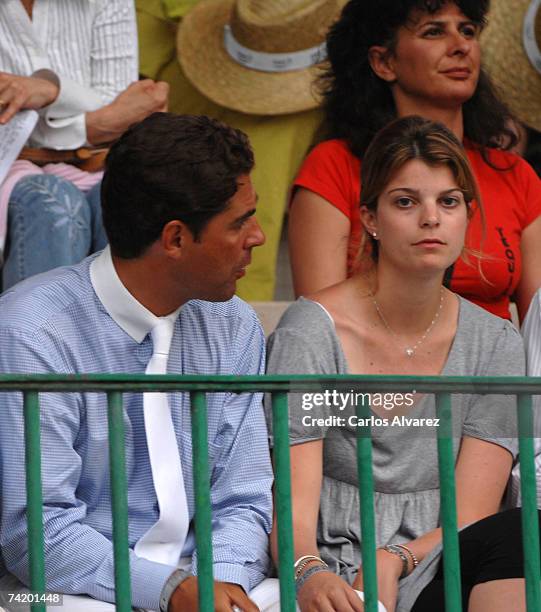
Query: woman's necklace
x=410, y=350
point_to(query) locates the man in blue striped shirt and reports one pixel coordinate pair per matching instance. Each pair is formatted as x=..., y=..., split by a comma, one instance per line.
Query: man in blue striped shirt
x=178, y=208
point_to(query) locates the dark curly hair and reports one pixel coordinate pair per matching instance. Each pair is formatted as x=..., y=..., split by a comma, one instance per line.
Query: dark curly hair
x=358, y=104
x=169, y=167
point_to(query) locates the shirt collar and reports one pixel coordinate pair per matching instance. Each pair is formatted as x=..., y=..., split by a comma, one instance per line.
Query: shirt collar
x=124, y=309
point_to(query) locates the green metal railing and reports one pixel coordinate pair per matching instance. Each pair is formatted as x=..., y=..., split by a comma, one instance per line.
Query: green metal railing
x=279, y=386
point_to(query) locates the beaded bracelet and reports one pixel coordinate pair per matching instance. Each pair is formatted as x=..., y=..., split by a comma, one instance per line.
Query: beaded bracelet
x=303, y=561
x=414, y=560
x=395, y=550
x=309, y=572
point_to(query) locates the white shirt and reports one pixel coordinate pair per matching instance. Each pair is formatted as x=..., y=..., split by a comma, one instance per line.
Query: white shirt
x=90, y=44
x=531, y=332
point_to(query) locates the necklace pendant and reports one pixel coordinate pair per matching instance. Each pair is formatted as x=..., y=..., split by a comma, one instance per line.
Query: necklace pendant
x=409, y=351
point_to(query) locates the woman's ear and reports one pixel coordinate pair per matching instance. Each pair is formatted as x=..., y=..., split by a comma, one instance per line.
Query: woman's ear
x=380, y=60
x=369, y=221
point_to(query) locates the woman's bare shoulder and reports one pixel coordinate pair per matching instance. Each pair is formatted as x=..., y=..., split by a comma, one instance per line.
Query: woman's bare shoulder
x=344, y=298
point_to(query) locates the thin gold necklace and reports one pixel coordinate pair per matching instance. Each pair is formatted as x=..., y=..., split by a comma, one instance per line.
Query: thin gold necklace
x=409, y=350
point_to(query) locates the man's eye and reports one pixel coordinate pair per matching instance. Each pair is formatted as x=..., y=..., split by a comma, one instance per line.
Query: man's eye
x=240, y=223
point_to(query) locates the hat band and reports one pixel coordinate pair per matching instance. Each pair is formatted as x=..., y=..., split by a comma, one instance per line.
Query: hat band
x=272, y=62
x=528, y=35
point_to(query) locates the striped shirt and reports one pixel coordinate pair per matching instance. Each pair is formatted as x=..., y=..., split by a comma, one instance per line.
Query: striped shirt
x=54, y=322
x=90, y=44
x=531, y=332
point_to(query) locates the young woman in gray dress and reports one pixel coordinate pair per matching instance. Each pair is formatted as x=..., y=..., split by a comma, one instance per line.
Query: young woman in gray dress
x=396, y=317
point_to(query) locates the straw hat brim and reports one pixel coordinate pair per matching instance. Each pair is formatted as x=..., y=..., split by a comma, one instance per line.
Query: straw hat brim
x=211, y=70
x=505, y=60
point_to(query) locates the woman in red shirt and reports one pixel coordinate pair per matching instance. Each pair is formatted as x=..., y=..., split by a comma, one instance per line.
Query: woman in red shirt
x=391, y=59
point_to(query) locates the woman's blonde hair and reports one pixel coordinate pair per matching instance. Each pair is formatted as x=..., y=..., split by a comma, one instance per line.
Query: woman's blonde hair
x=404, y=140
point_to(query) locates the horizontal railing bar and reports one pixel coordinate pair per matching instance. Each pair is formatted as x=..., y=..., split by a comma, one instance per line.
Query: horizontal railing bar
x=508, y=385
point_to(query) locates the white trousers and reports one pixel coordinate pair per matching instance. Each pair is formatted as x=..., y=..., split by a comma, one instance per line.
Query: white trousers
x=266, y=596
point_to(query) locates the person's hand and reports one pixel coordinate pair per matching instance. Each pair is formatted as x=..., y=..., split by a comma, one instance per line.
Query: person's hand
x=325, y=591
x=135, y=103
x=226, y=595
x=19, y=92
x=141, y=99
x=389, y=568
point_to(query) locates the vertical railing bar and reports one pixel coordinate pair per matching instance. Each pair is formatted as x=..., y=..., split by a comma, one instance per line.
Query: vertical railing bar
x=282, y=471
x=36, y=555
x=366, y=507
x=203, y=522
x=446, y=462
x=119, y=500
x=529, y=515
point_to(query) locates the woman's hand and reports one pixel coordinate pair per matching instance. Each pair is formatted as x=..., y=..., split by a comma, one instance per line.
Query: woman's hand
x=141, y=99
x=138, y=101
x=389, y=568
x=19, y=92
x=325, y=591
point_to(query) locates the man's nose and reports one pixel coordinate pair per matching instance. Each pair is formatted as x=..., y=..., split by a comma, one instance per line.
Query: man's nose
x=256, y=236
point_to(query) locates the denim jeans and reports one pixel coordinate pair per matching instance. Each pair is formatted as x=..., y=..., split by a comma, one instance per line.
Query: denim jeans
x=51, y=223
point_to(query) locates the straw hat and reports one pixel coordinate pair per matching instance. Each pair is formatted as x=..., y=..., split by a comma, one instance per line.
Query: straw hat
x=256, y=56
x=511, y=48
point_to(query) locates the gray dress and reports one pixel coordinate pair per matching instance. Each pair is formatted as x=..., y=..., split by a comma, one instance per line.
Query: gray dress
x=405, y=458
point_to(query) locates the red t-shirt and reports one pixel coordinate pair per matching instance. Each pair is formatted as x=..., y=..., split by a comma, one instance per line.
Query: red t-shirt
x=511, y=200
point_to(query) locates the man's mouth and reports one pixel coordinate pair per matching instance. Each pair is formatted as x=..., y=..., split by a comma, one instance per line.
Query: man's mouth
x=241, y=270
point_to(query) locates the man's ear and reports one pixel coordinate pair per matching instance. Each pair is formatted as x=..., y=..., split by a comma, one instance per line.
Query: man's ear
x=369, y=221
x=380, y=60
x=174, y=236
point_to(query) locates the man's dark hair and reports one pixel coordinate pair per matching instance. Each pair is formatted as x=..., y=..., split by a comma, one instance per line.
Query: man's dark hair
x=169, y=167
x=358, y=103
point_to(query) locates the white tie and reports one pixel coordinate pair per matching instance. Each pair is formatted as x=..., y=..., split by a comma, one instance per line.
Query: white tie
x=164, y=541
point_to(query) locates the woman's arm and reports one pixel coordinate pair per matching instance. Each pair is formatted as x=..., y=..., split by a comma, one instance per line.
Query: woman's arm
x=482, y=472
x=530, y=278
x=318, y=242
x=306, y=477
x=324, y=590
